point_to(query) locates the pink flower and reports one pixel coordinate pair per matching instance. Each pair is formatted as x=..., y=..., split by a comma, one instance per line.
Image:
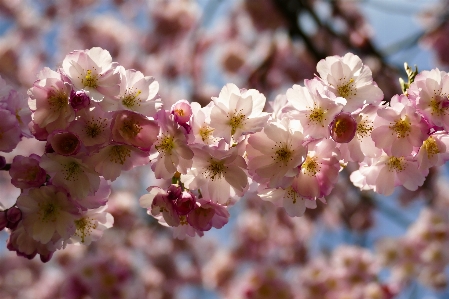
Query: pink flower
x=79, y=99
x=207, y=215
x=201, y=126
x=430, y=92
x=294, y=204
x=159, y=201
x=182, y=111
x=47, y=213
x=72, y=174
x=91, y=225
x=17, y=104
x=170, y=152
x=315, y=107
x=93, y=127
x=134, y=129
x=24, y=245
x=319, y=171
x=26, y=173
x=275, y=153
x=433, y=151
x=343, y=128
x=138, y=93
x=386, y=172
x=218, y=173
x=64, y=143
x=111, y=160
x=348, y=78
x=49, y=99
x=362, y=145
x=398, y=128
x=237, y=112
x=94, y=71
x=10, y=132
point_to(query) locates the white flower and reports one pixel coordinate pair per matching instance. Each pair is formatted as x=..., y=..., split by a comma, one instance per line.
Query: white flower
x=348, y=78
x=237, y=112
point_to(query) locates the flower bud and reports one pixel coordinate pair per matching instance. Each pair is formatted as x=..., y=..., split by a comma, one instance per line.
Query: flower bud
x=182, y=111
x=343, y=128
x=201, y=218
x=185, y=203
x=79, y=100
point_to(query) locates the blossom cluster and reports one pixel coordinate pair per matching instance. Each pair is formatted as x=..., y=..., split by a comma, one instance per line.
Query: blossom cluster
x=421, y=253
x=99, y=119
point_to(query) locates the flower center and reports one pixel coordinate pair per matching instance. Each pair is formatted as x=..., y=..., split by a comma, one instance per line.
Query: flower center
x=292, y=195
x=284, y=154
x=71, y=171
x=84, y=227
x=131, y=99
x=364, y=128
x=95, y=127
x=57, y=100
x=119, y=153
x=205, y=132
x=165, y=145
x=130, y=128
x=437, y=105
x=310, y=166
x=48, y=211
x=237, y=121
x=215, y=170
x=347, y=89
x=402, y=127
x=431, y=147
x=317, y=115
x=396, y=164
x=90, y=80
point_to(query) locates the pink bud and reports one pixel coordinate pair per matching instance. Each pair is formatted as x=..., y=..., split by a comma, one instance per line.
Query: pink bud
x=174, y=192
x=343, y=128
x=13, y=214
x=64, y=143
x=185, y=203
x=182, y=111
x=79, y=100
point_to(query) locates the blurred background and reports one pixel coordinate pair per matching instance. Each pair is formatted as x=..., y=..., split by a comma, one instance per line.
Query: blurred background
x=358, y=245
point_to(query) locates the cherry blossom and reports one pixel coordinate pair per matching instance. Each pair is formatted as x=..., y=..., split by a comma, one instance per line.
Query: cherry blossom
x=349, y=78
x=237, y=112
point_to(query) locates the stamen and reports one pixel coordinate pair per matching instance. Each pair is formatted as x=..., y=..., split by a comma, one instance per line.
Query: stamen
x=310, y=166
x=119, y=153
x=396, y=164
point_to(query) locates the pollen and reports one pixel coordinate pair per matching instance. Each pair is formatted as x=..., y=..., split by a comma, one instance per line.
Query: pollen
x=215, y=170
x=205, y=132
x=401, y=127
x=48, y=211
x=165, y=145
x=119, y=153
x=437, y=107
x=347, y=90
x=292, y=195
x=341, y=127
x=237, y=121
x=90, y=80
x=317, y=115
x=431, y=147
x=57, y=100
x=179, y=112
x=310, y=166
x=84, y=228
x=364, y=128
x=130, y=128
x=131, y=99
x=71, y=171
x=396, y=164
x=283, y=154
x=95, y=127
